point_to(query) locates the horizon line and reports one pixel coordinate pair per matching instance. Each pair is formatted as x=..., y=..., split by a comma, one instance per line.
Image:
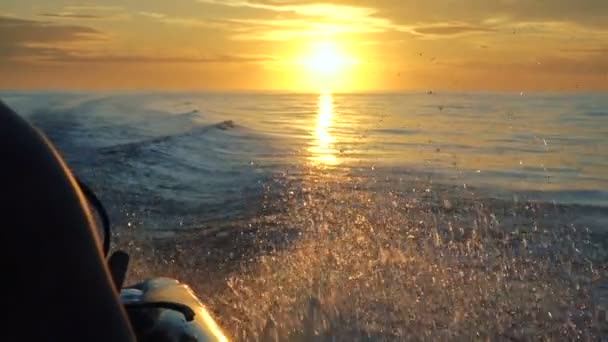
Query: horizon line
x=302, y=92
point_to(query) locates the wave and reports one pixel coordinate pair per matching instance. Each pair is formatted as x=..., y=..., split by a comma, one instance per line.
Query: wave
x=396, y=131
x=222, y=126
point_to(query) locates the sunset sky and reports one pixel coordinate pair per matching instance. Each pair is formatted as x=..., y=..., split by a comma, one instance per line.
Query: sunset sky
x=343, y=45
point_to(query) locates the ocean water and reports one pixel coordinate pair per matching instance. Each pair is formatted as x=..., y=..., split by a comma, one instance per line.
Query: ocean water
x=339, y=216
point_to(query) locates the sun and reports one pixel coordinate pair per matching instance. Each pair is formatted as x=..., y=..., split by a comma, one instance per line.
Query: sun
x=326, y=58
x=326, y=65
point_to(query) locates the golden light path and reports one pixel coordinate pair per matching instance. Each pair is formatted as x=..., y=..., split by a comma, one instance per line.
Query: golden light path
x=326, y=66
x=321, y=149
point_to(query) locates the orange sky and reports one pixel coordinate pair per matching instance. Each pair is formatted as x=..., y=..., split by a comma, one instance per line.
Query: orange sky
x=510, y=45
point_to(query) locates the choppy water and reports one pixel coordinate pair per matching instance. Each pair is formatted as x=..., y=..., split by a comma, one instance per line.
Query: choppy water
x=550, y=145
x=395, y=216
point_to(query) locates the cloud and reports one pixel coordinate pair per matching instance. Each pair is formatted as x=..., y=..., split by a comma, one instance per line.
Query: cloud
x=15, y=31
x=68, y=15
x=50, y=54
x=88, y=12
x=314, y=9
x=153, y=15
x=31, y=41
x=303, y=20
x=589, y=64
x=324, y=19
x=71, y=57
x=293, y=20
x=589, y=13
x=450, y=29
x=288, y=29
x=94, y=8
x=182, y=21
x=27, y=40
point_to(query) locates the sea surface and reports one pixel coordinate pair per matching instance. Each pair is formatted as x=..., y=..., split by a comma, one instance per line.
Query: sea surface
x=385, y=216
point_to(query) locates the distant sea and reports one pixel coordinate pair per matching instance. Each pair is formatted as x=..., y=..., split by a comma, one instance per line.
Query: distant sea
x=359, y=182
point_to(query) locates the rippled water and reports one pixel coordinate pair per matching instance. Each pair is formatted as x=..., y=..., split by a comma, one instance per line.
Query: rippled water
x=369, y=216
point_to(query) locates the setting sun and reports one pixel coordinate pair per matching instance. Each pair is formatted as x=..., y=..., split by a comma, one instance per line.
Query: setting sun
x=326, y=65
x=326, y=58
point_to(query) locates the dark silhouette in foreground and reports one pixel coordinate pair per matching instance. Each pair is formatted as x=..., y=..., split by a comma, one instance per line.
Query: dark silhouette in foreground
x=60, y=279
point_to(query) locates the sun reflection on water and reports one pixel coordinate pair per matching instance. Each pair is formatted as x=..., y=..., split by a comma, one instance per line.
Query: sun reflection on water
x=322, y=149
